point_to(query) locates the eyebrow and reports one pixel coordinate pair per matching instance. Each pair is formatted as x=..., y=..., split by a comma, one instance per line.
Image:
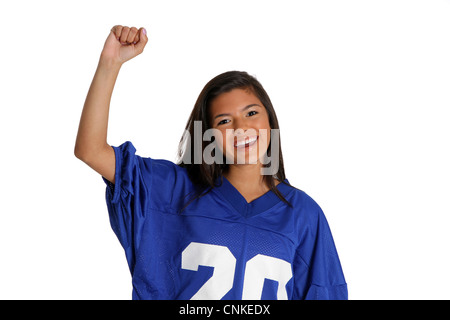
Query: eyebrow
x=243, y=109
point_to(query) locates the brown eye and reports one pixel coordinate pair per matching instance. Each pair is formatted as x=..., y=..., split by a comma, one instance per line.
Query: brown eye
x=222, y=122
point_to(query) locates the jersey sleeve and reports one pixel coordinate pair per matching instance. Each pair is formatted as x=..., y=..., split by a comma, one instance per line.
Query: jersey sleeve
x=142, y=185
x=317, y=268
x=126, y=200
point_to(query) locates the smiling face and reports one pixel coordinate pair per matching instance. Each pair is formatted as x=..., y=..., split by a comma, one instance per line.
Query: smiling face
x=244, y=125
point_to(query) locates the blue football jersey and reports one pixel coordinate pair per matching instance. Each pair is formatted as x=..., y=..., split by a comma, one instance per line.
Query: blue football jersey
x=219, y=246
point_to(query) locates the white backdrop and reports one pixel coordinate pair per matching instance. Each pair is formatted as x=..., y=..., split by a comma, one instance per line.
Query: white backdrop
x=361, y=90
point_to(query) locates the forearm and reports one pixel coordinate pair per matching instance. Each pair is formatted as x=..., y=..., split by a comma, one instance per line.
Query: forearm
x=93, y=127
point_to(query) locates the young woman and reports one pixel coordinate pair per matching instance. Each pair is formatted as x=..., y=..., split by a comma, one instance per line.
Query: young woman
x=223, y=223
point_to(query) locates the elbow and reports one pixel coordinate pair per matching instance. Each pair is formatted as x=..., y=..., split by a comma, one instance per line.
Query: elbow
x=81, y=153
x=86, y=153
x=78, y=152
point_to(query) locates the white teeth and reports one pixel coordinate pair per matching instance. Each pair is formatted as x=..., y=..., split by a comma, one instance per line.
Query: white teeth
x=246, y=141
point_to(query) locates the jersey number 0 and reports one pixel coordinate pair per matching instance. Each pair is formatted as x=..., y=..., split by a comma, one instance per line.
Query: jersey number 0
x=257, y=269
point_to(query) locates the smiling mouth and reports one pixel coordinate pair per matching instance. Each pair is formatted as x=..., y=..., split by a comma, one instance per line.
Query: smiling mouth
x=246, y=143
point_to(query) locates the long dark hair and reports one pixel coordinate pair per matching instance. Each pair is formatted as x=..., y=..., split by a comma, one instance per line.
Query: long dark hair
x=205, y=175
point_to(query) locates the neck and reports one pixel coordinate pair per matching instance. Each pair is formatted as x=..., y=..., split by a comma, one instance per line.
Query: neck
x=247, y=179
x=246, y=175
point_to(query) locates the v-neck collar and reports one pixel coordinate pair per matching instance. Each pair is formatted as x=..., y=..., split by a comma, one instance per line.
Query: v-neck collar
x=258, y=205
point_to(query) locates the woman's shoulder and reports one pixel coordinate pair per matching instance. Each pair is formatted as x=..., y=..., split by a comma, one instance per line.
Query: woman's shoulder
x=155, y=171
x=302, y=200
x=164, y=170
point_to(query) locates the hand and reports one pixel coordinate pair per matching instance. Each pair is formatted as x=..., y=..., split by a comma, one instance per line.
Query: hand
x=123, y=44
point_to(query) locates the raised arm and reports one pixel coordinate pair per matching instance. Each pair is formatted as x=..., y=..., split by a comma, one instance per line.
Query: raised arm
x=91, y=145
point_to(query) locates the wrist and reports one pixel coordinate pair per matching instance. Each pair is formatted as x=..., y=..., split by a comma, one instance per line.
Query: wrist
x=109, y=63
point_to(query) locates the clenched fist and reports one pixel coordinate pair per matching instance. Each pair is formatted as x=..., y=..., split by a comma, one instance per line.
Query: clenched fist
x=123, y=44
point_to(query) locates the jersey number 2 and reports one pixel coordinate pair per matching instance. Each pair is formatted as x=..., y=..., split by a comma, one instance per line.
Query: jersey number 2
x=257, y=269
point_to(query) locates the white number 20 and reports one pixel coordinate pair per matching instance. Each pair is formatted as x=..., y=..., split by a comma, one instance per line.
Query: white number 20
x=222, y=260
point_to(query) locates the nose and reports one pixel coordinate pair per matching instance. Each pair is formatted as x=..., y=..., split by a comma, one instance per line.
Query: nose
x=239, y=132
x=240, y=127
